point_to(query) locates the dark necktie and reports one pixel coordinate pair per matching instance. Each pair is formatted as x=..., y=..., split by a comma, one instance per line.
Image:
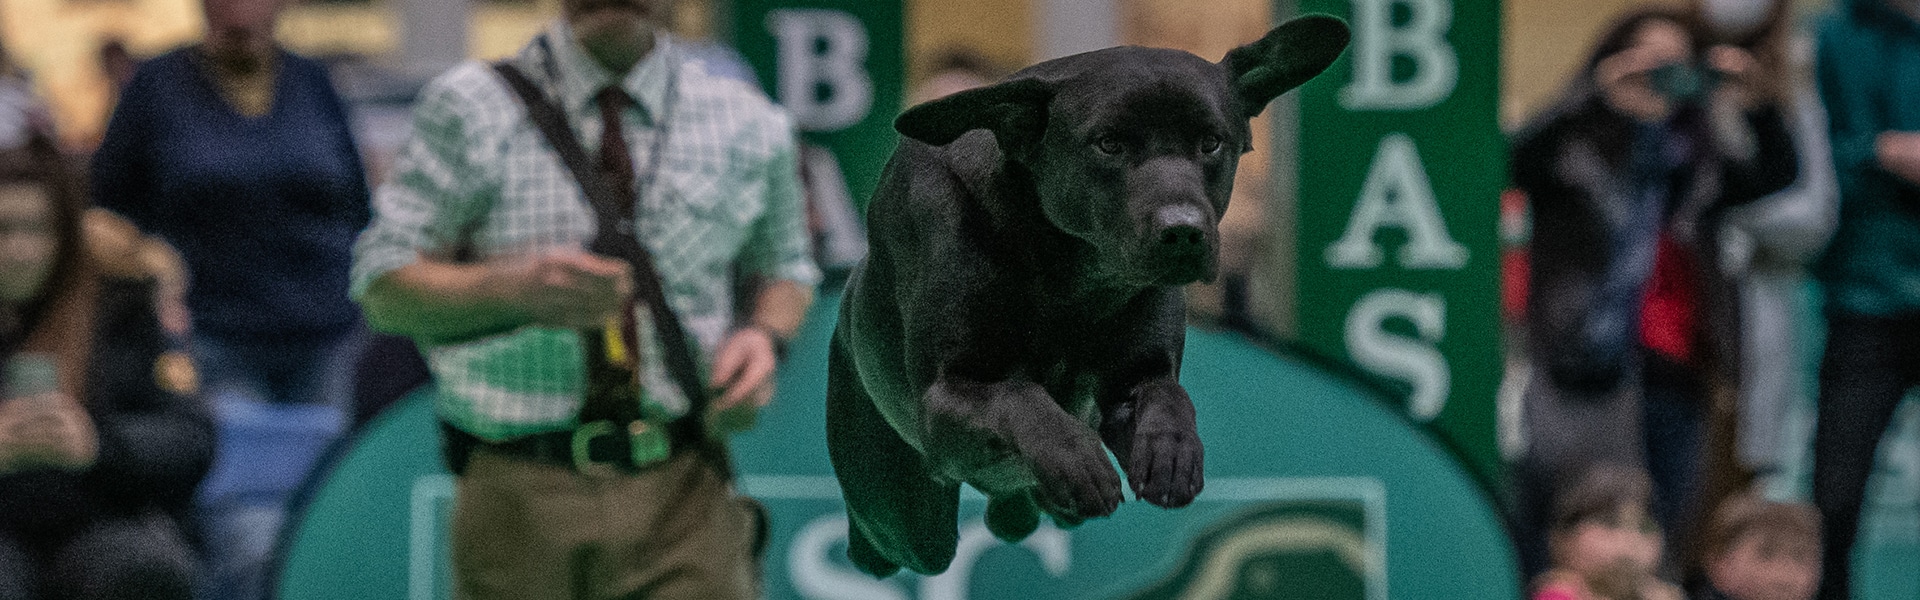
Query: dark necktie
x=616, y=160
x=616, y=164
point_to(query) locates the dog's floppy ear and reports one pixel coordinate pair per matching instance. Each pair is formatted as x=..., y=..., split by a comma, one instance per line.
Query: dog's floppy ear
x=1288, y=56
x=1015, y=110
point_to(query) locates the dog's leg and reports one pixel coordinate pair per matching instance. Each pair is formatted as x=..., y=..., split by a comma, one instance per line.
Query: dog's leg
x=1013, y=517
x=899, y=515
x=1116, y=428
x=1146, y=418
x=1005, y=436
x=865, y=556
x=1152, y=431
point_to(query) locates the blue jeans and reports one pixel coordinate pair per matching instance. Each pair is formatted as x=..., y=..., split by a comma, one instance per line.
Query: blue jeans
x=1674, y=416
x=279, y=405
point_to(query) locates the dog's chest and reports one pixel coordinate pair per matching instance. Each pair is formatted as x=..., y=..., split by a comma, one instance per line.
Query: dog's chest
x=1062, y=348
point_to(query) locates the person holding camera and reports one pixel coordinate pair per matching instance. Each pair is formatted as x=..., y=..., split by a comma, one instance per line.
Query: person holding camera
x=1629, y=316
x=102, y=440
x=1869, y=73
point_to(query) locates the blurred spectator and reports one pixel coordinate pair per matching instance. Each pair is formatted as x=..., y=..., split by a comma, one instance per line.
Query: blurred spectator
x=117, y=64
x=1770, y=244
x=1760, y=550
x=833, y=221
x=1869, y=53
x=101, y=441
x=953, y=70
x=1767, y=249
x=23, y=116
x=1604, y=545
x=1630, y=324
x=240, y=154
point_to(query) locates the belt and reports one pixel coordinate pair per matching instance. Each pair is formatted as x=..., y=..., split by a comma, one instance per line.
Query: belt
x=597, y=447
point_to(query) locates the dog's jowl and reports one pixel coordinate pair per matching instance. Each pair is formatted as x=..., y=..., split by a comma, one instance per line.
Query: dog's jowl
x=1020, y=311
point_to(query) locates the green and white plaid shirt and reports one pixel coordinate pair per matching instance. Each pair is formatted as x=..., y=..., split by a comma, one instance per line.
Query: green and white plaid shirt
x=478, y=175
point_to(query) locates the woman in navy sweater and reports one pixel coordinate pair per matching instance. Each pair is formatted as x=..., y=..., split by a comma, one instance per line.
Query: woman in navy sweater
x=239, y=153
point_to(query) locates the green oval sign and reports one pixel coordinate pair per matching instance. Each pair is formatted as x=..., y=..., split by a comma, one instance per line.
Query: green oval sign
x=1316, y=488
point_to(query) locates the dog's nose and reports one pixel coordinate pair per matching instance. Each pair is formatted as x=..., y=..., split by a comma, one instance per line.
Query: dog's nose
x=1182, y=236
x=1180, y=228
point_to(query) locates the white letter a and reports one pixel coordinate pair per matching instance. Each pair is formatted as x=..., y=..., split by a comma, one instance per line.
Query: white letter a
x=1397, y=193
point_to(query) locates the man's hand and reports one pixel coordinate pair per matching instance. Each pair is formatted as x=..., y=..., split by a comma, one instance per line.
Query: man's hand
x=46, y=431
x=1748, y=83
x=1624, y=83
x=1899, y=153
x=743, y=369
x=568, y=289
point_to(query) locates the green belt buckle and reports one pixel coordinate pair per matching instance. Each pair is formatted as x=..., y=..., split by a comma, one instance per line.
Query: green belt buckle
x=649, y=444
x=583, y=437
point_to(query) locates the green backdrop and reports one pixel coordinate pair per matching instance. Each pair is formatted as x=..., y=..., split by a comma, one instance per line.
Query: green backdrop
x=839, y=66
x=1318, y=485
x=1400, y=166
x=1313, y=482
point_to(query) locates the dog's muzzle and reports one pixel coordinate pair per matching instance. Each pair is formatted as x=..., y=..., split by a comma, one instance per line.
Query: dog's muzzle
x=1180, y=245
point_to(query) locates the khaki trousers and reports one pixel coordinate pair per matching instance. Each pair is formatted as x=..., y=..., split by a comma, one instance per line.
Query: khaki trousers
x=524, y=530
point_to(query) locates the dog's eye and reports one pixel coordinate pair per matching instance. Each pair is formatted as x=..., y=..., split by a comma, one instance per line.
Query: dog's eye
x=1110, y=145
x=1210, y=144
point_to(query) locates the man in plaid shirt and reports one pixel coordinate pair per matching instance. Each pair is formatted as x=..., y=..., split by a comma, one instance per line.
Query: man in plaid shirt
x=476, y=251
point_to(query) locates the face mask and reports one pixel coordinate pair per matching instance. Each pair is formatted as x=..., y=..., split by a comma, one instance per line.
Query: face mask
x=1735, y=18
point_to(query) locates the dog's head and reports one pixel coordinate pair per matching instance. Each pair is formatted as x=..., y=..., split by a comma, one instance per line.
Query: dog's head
x=1133, y=150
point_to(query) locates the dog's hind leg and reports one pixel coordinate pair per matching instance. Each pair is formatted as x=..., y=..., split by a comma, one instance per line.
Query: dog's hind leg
x=899, y=515
x=860, y=550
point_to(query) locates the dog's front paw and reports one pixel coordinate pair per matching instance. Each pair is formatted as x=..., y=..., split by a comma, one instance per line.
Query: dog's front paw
x=1166, y=468
x=1075, y=480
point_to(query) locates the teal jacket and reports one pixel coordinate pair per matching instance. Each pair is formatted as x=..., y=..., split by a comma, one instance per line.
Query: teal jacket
x=1869, y=70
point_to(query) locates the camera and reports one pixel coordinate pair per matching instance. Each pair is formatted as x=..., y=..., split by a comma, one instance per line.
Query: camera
x=1684, y=82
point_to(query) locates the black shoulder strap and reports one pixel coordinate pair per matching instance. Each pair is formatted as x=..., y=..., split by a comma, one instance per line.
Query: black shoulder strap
x=615, y=238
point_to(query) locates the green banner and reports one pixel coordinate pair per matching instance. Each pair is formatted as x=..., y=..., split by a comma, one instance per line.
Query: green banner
x=839, y=66
x=1400, y=166
x=1370, y=509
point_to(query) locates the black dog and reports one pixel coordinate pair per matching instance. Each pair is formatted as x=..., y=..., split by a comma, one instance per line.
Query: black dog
x=1023, y=291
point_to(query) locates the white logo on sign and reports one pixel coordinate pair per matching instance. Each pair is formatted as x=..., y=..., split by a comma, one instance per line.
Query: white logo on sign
x=1377, y=42
x=429, y=504
x=1397, y=193
x=1415, y=361
x=817, y=575
x=1049, y=543
x=820, y=51
x=814, y=573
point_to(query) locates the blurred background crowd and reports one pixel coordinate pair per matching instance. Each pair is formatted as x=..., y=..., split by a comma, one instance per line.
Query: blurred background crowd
x=1712, y=305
